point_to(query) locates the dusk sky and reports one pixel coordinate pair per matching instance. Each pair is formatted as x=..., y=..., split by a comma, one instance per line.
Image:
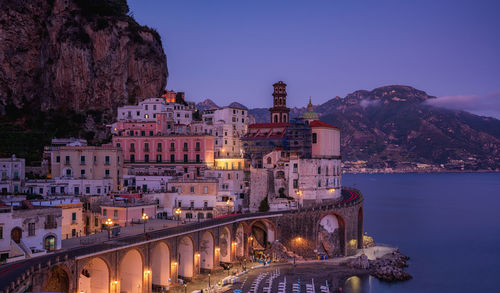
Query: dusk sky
x=234, y=50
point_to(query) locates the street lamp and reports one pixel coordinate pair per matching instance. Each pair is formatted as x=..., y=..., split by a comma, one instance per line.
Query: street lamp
x=209, y=280
x=227, y=203
x=178, y=213
x=108, y=224
x=144, y=219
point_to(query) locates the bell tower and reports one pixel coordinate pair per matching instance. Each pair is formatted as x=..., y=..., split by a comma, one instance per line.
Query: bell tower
x=279, y=111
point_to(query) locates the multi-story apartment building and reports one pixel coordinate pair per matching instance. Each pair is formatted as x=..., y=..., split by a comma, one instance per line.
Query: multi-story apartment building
x=166, y=155
x=12, y=174
x=68, y=186
x=227, y=125
x=196, y=198
x=149, y=109
x=87, y=163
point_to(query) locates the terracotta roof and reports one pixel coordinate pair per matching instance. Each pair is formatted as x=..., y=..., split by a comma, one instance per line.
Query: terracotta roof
x=267, y=125
x=317, y=123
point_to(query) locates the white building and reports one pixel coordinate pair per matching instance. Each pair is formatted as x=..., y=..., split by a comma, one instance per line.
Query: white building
x=147, y=110
x=29, y=231
x=227, y=125
x=68, y=186
x=12, y=174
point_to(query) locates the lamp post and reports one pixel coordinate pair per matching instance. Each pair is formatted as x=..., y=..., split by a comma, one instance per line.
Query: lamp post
x=108, y=224
x=144, y=219
x=227, y=203
x=209, y=280
x=178, y=213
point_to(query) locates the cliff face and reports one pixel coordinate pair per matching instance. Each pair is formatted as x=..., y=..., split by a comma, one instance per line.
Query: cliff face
x=76, y=54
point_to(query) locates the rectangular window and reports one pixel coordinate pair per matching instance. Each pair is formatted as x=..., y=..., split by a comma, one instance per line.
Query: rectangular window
x=172, y=158
x=185, y=158
x=1, y=232
x=197, y=158
x=205, y=189
x=295, y=183
x=197, y=146
x=67, y=160
x=191, y=189
x=77, y=190
x=143, y=133
x=158, y=158
x=132, y=158
x=87, y=189
x=82, y=173
x=82, y=160
x=73, y=232
x=319, y=170
x=105, y=212
x=205, y=204
x=314, y=138
x=58, y=159
x=73, y=216
x=115, y=213
x=31, y=229
x=106, y=173
x=185, y=148
x=132, y=147
x=172, y=146
x=106, y=160
x=146, y=147
x=158, y=147
x=150, y=133
x=191, y=204
x=146, y=158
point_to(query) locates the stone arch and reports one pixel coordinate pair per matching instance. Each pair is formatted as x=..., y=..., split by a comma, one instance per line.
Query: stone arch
x=185, y=251
x=239, y=239
x=207, y=248
x=50, y=242
x=360, y=228
x=131, y=272
x=331, y=237
x=225, y=244
x=263, y=233
x=58, y=280
x=160, y=265
x=94, y=276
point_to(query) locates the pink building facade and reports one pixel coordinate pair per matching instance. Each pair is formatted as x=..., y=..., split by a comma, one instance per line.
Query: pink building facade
x=172, y=149
x=123, y=214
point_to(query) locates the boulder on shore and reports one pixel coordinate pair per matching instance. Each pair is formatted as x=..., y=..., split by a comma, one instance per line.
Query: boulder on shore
x=390, y=267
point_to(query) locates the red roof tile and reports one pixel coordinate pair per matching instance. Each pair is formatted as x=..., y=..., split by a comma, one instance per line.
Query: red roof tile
x=317, y=123
x=267, y=125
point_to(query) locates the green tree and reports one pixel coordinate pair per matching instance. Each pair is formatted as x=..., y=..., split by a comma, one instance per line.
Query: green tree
x=264, y=205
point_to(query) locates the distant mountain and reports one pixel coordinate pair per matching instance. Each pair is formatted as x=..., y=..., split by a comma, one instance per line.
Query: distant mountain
x=237, y=105
x=206, y=105
x=394, y=127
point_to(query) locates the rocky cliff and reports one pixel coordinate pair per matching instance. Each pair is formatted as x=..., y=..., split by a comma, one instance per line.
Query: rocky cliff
x=77, y=55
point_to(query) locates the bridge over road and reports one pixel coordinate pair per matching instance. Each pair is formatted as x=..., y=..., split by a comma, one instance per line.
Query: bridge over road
x=154, y=261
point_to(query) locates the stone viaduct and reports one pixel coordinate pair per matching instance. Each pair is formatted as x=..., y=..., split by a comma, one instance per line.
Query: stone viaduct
x=155, y=260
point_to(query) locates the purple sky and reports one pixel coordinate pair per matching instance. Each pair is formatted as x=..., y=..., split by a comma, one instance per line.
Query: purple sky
x=235, y=50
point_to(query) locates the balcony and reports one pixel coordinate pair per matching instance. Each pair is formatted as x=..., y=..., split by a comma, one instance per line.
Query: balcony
x=132, y=150
x=67, y=163
x=82, y=162
x=197, y=149
x=185, y=149
x=146, y=150
x=107, y=163
x=172, y=149
x=50, y=225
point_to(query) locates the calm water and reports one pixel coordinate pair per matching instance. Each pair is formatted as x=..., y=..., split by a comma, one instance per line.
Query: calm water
x=449, y=224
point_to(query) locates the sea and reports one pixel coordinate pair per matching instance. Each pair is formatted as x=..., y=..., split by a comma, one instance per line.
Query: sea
x=447, y=223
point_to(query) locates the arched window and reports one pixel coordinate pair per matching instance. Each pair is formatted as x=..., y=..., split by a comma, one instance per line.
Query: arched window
x=201, y=216
x=275, y=118
x=50, y=243
x=269, y=161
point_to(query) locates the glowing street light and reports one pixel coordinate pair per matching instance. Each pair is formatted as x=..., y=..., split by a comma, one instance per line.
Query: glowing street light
x=108, y=224
x=144, y=219
x=178, y=213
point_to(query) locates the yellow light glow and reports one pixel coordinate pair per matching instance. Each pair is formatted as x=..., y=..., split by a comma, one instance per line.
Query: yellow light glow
x=148, y=272
x=116, y=282
x=332, y=190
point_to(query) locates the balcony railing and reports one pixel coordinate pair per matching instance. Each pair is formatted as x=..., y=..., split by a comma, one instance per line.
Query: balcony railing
x=185, y=149
x=197, y=149
x=50, y=225
x=166, y=162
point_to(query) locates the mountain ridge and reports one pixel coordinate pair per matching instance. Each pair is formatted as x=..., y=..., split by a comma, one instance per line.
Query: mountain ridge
x=393, y=128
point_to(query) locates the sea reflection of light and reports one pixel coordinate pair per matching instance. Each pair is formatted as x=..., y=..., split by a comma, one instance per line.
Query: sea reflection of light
x=353, y=285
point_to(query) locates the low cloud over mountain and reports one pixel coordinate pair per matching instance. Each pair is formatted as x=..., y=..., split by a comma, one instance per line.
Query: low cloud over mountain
x=485, y=105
